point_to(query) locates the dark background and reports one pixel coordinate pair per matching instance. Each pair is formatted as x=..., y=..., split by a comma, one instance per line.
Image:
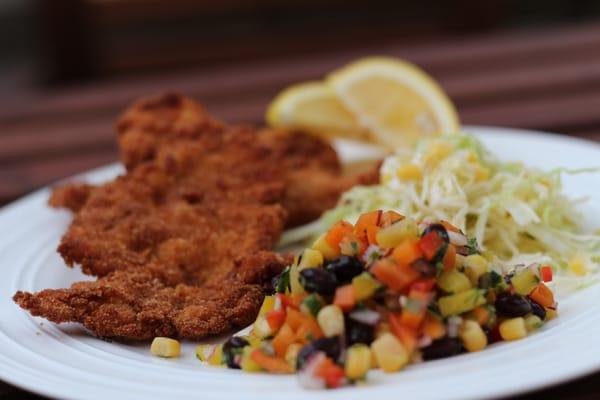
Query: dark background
x=49, y=43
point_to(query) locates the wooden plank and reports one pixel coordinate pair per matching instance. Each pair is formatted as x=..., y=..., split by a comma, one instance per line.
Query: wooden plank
x=35, y=140
x=552, y=113
x=452, y=56
x=502, y=99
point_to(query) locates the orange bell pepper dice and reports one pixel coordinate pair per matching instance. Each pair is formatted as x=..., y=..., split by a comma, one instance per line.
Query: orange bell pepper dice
x=406, y=335
x=407, y=252
x=344, y=297
x=330, y=372
x=270, y=363
x=275, y=319
x=390, y=217
x=337, y=232
x=282, y=340
x=395, y=276
x=449, y=258
x=542, y=295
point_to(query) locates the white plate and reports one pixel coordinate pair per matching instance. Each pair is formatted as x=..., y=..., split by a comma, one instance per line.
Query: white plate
x=65, y=362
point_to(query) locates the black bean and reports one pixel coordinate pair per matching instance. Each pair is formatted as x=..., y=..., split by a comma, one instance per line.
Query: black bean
x=442, y=348
x=439, y=229
x=512, y=305
x=231, y=348
x=318, y=280
x=537, y=309
x=357, y=332
x=332, y=347
x=426, y=268
x=345, y=268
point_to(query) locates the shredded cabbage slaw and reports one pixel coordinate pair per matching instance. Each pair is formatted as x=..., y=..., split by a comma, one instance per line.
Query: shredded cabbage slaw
x=516, y=213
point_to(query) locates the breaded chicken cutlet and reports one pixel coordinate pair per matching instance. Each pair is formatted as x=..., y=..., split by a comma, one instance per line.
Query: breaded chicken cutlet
x=309, y=166
x=180, y=242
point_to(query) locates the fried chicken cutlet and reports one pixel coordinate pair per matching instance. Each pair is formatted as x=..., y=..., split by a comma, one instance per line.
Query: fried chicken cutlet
x=179, y=241
x=310, y=166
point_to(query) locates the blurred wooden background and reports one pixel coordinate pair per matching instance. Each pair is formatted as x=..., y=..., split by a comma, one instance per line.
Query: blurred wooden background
x=50, y=43
x=69, y=67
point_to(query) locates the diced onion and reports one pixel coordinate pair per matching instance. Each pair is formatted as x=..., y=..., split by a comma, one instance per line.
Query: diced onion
x=365, y=316
x=457, y=239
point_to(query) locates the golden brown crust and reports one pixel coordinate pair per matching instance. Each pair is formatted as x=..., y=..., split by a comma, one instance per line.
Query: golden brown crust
x=71, y=196
x=132, y=304
x=180, y=242
x=150, y=124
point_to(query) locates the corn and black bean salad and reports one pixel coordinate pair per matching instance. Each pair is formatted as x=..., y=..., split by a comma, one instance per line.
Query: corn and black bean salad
x=384, y=293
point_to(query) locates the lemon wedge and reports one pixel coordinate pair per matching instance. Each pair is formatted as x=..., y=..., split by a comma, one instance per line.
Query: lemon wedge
x=395, y=101
x=314, y=107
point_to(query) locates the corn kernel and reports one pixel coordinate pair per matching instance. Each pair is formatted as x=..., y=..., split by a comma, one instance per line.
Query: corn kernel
x=396, y=233
x=472, y=156
x=165, y=347
x=254, y=340
x=295, y=286
x=462, y=302
x=551, y=314
x=524, y=281
x=247, y=363
x=204, y=351
x=437, y=152
x=513, y=329
x=472, y=336
x=373, y=361
x=310, y=258
x=481, y=173
x=268, y=304
x=364, y=285
x=578, y=267
x=326, y=250
x=533, y=322
x=390, y=353
x=331, y=320
x=475, y=266
x=216, y=358
x=358, y=361
x=409, y=172
x=454, y=282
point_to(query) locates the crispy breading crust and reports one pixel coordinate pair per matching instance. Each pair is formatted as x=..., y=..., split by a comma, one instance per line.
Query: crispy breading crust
x=72, y=196
x=309, y=166
x=134, y=305
x=179, y=242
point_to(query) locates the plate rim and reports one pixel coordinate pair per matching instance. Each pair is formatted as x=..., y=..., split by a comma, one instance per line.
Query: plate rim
x=477, y=130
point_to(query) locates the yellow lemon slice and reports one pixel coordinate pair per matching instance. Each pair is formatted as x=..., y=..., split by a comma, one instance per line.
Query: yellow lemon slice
x=394, y=100
x=313, y=107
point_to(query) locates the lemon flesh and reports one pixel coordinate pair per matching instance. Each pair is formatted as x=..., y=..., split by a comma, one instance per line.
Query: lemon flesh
x=314, y=107
x=394, y=100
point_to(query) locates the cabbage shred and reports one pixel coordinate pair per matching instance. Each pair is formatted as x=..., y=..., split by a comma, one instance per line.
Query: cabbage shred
x=516, y=213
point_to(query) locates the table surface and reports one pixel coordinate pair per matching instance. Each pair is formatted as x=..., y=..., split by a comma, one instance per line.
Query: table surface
x=538, y=79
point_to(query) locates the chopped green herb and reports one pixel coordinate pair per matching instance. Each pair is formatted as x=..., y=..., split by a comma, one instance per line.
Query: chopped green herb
x=283, y=283
x=312, y=303
x=472, y=246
